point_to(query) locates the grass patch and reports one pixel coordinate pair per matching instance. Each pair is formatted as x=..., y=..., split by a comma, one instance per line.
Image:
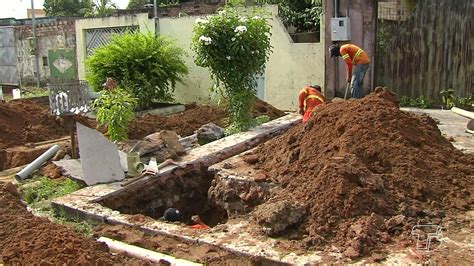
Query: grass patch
x=39, y=192
x=45, y=189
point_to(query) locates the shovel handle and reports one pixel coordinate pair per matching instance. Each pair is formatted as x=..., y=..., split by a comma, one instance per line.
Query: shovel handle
x=347, y=89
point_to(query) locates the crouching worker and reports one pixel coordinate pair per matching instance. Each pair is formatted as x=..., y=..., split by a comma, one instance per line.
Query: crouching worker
x=309, y=98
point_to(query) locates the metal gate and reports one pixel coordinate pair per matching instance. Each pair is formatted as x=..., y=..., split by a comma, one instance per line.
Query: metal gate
x=8, y=58
x=102, y=36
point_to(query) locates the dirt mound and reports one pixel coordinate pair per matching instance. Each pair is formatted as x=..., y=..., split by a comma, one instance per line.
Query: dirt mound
x=25, y=121
x=186, y=122
x=26, y=239
x=367, y=171
x=183, y=123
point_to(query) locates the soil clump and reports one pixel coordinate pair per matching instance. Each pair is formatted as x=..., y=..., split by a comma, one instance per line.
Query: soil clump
x=27, y=239
x=367, y=173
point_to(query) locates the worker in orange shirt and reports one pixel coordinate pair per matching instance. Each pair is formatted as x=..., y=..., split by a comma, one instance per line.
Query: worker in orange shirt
x=352, y=55
x=309, y=98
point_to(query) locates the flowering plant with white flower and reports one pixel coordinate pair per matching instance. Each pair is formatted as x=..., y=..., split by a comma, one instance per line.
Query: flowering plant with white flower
x=234, y=45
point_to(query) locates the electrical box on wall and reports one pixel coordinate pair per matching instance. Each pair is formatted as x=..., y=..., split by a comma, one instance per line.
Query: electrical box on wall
x=340, y=29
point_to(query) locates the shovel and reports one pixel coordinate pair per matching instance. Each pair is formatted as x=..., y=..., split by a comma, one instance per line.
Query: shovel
x=347, y=89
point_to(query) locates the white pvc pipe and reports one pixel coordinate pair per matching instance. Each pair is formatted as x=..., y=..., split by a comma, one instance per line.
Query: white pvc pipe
x=30, y=168
x=462, y=112
x=144, y=254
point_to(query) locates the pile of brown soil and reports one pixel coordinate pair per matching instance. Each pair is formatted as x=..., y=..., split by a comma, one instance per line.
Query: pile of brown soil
x=186, y=122
x=27, y=239
x=25, y=121
x=367, y=172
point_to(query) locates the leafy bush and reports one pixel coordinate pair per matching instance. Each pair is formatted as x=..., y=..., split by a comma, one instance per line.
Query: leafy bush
x=235, y=47
x=114, y=108
x=147, y=65
x=420, y=102
x=304, y=15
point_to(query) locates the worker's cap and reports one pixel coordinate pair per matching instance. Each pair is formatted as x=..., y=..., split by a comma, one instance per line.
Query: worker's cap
x=172, y=215
x=334, y=50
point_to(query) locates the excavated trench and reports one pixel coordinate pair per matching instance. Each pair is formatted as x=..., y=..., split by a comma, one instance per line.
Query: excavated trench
x=185, y=190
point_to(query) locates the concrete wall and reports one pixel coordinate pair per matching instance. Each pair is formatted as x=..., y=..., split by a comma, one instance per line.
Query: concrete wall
x=363, y=30
x=140, y=20
x=291, y=65
x=52, y=35
x=198, y=82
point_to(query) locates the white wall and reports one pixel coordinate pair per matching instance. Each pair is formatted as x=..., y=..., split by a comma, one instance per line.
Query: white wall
x=140, y=20
x=291, y=66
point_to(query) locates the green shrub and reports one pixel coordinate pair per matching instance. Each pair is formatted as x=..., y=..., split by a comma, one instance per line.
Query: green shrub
x=235, y=47
x=115, y=109
x=147, y=65
x=420, y=102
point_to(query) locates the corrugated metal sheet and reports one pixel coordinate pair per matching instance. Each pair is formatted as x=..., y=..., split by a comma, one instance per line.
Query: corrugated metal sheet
x=432, y=51
x=8, y=60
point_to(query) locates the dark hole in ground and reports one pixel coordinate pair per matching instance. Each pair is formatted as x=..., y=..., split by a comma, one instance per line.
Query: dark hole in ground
x=186, y=191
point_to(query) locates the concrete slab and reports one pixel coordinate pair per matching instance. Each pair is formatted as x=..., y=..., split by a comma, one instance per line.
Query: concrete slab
x=163, y=110
x=451, y=125
x=73, y=167
x=99, y=157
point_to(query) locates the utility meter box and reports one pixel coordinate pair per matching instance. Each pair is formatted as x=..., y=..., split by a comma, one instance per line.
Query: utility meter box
x=340, y=29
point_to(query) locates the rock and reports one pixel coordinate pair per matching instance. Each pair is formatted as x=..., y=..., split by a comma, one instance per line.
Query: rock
x=140, y=146
x=260, y=177
x=277, y=217
x=250, y=159
x=436, y=221
x=351, y=253
x=394, y=221
x=227, y=165
x=169, y=138
x=209, y=133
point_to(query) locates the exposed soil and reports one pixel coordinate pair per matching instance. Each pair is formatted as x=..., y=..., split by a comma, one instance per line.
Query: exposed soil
x=366, y=172
x=26, y=239
x=26, y=121
x=186, y=122
x=196, y=252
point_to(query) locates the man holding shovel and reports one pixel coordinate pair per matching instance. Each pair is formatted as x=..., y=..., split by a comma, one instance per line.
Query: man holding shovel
x=352, y=55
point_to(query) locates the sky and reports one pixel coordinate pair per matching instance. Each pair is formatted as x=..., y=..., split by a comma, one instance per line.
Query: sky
x=17, y=8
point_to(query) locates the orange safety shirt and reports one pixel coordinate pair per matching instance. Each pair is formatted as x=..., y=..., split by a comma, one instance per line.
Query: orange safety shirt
x=353, y=55
x=308, y=99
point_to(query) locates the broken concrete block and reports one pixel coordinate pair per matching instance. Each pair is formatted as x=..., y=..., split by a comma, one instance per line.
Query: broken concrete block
x=209, y=133
x=99, y=157
x=140, y=146
x=169, y=138
x=277, y=217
